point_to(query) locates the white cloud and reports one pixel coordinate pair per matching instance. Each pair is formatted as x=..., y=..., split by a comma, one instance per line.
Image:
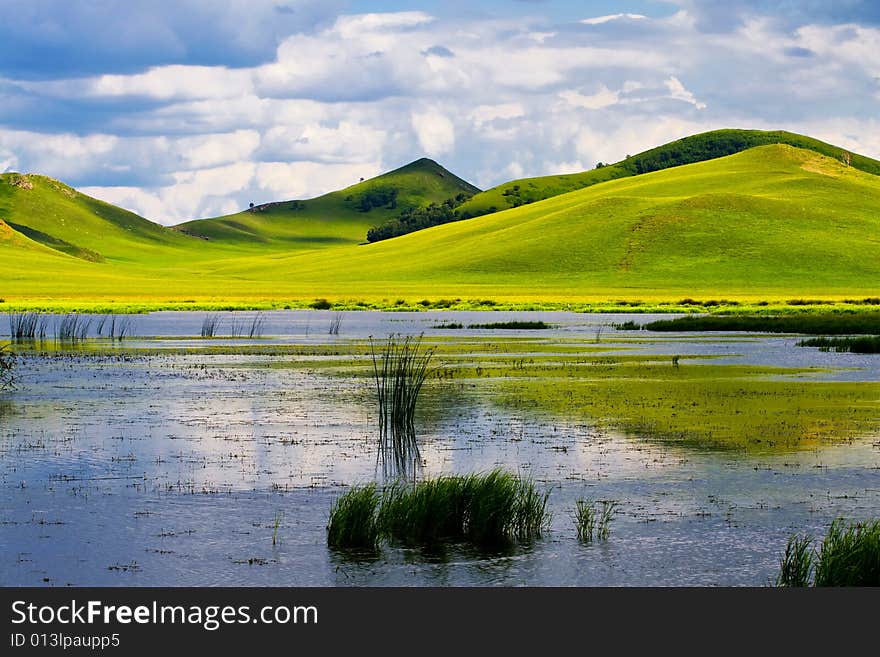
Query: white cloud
x=435, y=132
x=363, y=94
x=601, y=20
x=678, y=91
x=604, y=97
x=483, y=114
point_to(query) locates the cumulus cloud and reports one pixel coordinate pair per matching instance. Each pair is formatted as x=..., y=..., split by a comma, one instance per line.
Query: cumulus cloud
x=306, y=101
x=435, y=132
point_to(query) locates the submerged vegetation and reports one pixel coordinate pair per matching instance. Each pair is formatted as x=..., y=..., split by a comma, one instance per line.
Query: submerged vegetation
x=7, y=367
x=849, y=555
x=488, y=510
x=813, y=324
x=399, y=372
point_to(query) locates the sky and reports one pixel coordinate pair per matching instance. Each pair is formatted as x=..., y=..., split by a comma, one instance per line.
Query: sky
x=182, y=109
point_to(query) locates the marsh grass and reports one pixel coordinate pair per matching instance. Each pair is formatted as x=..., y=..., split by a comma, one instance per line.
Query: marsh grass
x=27, y=326
x=353, y=519
x=399, y=372
x=335, y=324
x=861, y=345
x=585, y=519
x=848, y=556
x=73, y=328
x=257, y=326
x=488, y=510
x=210, y=325
x=593, y=518
x=241, y=326
x=8, y=363
x=117, y=327
x=276, y=523
x=796, y=565
x=867, y=323
x=512, y=326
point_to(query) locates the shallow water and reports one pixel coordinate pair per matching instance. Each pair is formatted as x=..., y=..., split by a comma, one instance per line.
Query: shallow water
x=122, y=469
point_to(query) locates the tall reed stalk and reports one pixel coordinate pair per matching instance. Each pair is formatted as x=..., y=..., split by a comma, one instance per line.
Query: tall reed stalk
x=399, y=370
x=72, y=328
x=27, y=326
x=210, y=324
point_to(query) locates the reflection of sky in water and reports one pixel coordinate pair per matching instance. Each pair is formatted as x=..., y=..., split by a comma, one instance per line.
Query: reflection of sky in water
x=170, y=470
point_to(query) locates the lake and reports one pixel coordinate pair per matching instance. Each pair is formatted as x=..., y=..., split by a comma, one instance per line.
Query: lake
x=168, y=459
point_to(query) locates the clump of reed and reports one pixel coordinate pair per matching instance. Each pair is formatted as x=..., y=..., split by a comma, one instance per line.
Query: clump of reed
x=210, y=325
x=399, y=372
x=869, y=344
x=849, y=555
x=73, y=328
x=488, y=510
x=335, y=324
x=118, y=327
x=593, y=518
x=353, y=519
x=246, y=327
x=796, y=565
x=27, y=326
x=8, y=362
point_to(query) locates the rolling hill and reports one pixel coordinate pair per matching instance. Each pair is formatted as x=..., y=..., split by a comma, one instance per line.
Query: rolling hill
x=769, y=222
x=341, y=217
x=689, y=150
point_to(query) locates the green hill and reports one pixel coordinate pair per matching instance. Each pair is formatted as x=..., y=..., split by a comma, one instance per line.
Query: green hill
x=68, y=222
x=341, y=217
x=696, y=148
x=772, y=220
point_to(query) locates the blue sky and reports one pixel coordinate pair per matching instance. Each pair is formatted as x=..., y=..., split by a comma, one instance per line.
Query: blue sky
x=189, y=108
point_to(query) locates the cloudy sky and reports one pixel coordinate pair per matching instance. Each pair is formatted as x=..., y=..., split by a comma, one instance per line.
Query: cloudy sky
x=180, y=109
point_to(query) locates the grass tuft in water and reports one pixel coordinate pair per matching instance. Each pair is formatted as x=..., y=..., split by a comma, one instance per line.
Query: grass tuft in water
x=796, y=565
x=27, y=326
x=210, y=325
x=850, y=555
x=493, y=509
x=73, y=328
x=352, y=523
x=335, y=324
x=593, y=518
x=399, y=372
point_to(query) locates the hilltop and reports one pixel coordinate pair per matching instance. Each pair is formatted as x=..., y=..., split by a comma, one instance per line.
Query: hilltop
x=689, y=150
x=341, y=217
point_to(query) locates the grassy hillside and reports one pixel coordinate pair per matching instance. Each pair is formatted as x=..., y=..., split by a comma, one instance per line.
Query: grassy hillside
x=770, y=223
x=696, y=148
x=65, y=221
x=341, y=217
x=773, y=220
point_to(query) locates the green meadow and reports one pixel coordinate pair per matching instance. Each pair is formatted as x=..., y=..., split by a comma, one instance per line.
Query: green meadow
x=751, y=230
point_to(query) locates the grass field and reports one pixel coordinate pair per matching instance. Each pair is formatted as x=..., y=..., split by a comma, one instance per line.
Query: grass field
x=769, y=224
